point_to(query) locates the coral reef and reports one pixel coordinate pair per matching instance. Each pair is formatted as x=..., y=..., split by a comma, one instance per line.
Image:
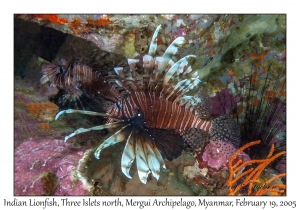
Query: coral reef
x=105, y=176
x=220, y=42
x=47, y=167
x=231, y=51
x=211, y=166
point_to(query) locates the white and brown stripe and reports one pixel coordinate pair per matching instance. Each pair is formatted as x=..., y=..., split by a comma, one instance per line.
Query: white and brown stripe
x=158, y=112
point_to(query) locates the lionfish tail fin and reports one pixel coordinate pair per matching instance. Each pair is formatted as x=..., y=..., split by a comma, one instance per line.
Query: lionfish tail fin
x=225, y=128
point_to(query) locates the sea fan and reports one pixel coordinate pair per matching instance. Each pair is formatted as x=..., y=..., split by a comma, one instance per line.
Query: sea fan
x=148, y=107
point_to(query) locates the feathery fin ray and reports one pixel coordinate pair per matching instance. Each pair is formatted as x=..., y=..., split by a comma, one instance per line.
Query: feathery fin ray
x=119, y=136
x=128, y=155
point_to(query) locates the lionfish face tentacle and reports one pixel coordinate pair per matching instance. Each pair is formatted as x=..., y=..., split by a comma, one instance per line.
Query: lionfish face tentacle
x=152, y=112
x=153, y=44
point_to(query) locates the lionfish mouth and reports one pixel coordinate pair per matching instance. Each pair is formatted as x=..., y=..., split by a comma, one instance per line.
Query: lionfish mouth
x=149, y=110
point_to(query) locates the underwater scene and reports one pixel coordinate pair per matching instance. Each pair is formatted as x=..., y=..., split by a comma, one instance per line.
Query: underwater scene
x=154, y=104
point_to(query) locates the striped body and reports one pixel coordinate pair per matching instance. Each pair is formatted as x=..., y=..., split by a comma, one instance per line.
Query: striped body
x=159, y=112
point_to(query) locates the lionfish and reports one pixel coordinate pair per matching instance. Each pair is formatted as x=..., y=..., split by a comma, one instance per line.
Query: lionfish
x=146, y=106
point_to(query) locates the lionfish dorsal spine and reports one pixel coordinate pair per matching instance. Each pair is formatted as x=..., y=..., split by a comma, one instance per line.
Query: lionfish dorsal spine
x=167, y=56
x=153, y=43
x=178, y=68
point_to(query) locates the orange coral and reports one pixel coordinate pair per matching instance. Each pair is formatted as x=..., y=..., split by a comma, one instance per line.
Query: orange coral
x=238, y=111
x=101, y=21
x=253, y=174
x=255, y=102
x=78, y=27
x=230, y=72
x=259, y=57
x=282, y=91
x=253, y=77
x=209, y=39
x=42, y=111
x=270, y=95
x=53, y=18
x=75, y=24
x=45, y=126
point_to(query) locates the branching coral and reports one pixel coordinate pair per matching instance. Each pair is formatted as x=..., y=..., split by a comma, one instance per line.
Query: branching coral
x=242, y=180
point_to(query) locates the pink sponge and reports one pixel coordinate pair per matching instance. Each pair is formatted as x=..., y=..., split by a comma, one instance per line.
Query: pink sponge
x=217, y=153
x=47, y=167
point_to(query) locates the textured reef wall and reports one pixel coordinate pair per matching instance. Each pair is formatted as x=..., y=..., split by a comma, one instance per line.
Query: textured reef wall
x=220, y=42
x=227, y=48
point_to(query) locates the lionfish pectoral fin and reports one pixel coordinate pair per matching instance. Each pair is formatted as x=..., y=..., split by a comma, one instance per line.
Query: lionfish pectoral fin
x=226, y=129
x=128, y=156
x=169, y=144
x=72, y=111
x=141, y=161
x=117, y=137
x=152, y=159
x=159, y=158
x=95, y=128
